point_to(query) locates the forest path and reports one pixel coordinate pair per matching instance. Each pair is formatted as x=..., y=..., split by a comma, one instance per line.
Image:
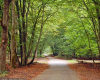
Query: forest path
x=58, y=70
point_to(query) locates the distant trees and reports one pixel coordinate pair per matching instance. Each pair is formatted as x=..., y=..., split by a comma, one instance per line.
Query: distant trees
x=81, y=20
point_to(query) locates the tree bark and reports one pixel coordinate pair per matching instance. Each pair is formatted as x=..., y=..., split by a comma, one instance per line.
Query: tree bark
x=3, y=46
x=13, y=41
x=24, y=35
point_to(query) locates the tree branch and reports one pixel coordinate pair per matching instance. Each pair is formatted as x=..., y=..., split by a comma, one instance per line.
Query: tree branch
x=96, y=2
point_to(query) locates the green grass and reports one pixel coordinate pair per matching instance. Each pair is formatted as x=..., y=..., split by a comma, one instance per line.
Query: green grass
x=72, y=61
x=7, y=61
x=43, y=62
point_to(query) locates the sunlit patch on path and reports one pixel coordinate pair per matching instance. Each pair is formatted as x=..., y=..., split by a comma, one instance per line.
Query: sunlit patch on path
x=55, y=62
x=58, y=70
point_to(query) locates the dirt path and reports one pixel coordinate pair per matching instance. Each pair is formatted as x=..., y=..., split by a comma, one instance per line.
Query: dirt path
x=58, y=70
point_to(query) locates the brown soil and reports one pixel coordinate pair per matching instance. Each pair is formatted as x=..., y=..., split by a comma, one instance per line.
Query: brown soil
x=27, y=72
x=87, y=71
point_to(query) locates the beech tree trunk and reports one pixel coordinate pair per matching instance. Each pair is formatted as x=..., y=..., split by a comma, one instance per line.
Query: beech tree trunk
x=20, y=28
x=13, y=41
x=3, y=46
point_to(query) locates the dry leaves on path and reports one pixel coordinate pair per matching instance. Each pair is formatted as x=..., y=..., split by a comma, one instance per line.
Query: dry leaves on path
x=87, y=71
x=27, y=72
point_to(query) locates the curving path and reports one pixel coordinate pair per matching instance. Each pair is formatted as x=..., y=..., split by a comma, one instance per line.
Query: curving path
x=58, y=70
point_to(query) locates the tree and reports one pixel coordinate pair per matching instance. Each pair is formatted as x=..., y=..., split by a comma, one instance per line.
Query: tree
x=3, y=46
x=13, y=40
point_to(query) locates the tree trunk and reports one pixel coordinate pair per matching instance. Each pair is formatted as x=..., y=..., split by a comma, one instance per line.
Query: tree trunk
x=20, y=28
x=40, y=53
x=13, y=41
x=3, y=46
x=24, y=35
x=9, y=36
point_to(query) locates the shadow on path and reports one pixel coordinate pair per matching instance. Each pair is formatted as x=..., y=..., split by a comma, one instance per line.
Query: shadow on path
x=58, y=70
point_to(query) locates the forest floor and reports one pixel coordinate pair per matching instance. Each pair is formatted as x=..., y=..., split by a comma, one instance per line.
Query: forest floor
x=28, y=72
x=87, y=71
